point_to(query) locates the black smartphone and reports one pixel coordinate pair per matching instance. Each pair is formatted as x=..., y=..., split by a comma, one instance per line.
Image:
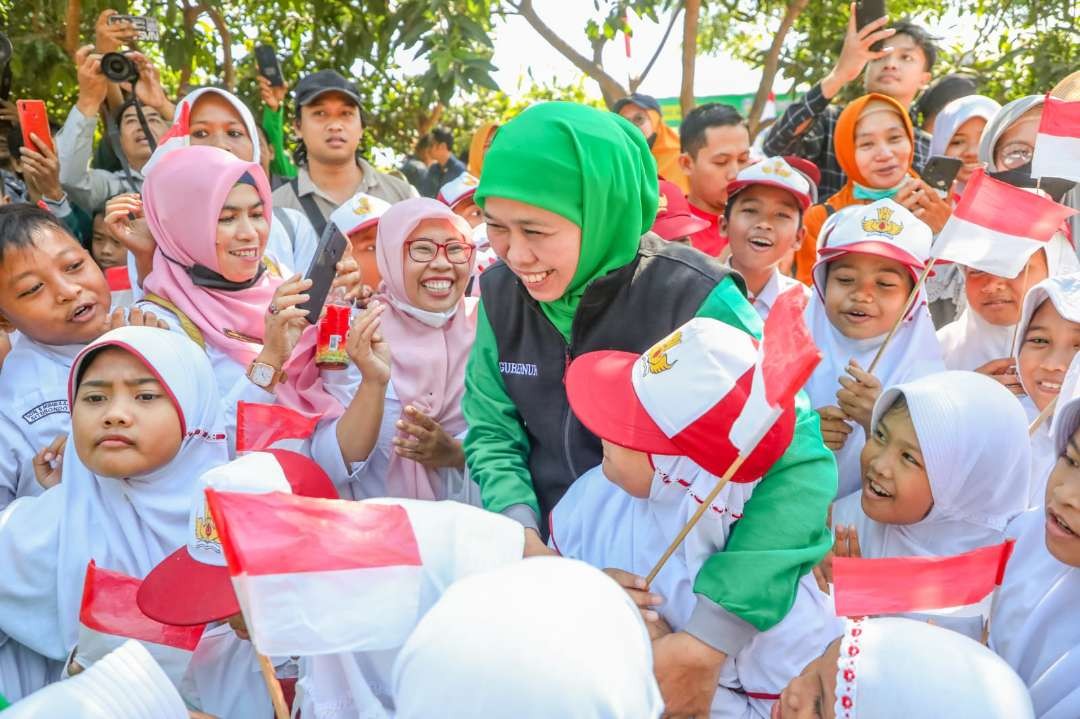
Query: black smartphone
x=940, y=172
x=866, y=12
x=323, y=269
x=146, y=28
x=269, y=67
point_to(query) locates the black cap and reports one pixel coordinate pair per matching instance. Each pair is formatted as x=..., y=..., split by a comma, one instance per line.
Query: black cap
x=323, y=81
x=647, y=101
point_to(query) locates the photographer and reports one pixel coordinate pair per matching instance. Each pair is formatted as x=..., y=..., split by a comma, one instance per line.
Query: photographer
x=91, y=187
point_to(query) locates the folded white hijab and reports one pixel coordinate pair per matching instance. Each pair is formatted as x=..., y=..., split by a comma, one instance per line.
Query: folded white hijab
x=545, y=637
x=893, y=668
x=126, y=525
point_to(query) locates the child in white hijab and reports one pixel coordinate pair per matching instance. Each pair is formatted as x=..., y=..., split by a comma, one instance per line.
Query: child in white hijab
x=889, y=668
x=870, y=260
x=1047, y=340
x=545, y=637
x=146, y=422
x=945, y=470
x=1036, y=621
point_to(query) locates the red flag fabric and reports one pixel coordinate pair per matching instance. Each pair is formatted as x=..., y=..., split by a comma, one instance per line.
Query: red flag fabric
x=1057, y=145
x=983, y=235
x=109, y=607
x=259, y=426
x=1060, y=118
x=118, y=279
x=786, y=359
x=897, y=585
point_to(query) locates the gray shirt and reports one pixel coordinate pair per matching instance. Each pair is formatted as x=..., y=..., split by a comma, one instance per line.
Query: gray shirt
x=373, y=182
x=88, y=187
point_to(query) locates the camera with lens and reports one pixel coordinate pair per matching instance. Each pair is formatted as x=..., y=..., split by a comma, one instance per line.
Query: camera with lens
x=119, y=67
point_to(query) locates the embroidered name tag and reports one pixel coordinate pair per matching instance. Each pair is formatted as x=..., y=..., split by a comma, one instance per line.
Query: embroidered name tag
x=518, y=368
x=45, y=409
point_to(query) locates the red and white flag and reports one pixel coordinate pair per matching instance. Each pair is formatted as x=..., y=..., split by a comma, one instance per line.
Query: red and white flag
x=996, y=227
x=786, y=358
x=898, y=585
x=1057, y=146
x=110, y=615
x=260, y=426
x=318, y=576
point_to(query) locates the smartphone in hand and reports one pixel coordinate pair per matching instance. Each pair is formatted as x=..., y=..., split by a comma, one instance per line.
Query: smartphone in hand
x=323, y=269
x=940, y=172
x=34, y=118
x=269, y=67
x=866, y=12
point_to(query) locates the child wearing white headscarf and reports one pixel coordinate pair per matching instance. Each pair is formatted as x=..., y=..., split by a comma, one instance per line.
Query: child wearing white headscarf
x=126, y=524
x=889, y=668
x=546, y=637
x=1035, y=626
x=944, y=472
x=869, y=271
x=1047, y=339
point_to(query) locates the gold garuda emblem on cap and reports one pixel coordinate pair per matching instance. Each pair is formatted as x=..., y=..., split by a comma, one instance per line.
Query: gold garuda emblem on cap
x=470, y=181
x=205, y=531
x=362, y=206
x=662, y=207
x=883, y=224
x=656, y=360
x=776, y=167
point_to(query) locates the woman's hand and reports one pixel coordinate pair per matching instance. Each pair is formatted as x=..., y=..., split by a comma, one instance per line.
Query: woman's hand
x=125, y=222
x=135, y=317
x=834, y=427
x=1004, y=371
x=49, y=462
x=422, y=439
x=284, y=322
x=858, y=394
x=925, y=203
x=348, y=276
x=368, y=349
x=271, y=96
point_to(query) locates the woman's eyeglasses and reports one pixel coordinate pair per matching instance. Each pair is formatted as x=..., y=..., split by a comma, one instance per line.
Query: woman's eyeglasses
x=423, y=250
x=1014, y=155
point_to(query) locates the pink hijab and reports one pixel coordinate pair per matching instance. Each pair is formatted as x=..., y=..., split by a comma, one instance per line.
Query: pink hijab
x=182, y=197
x=428, y=363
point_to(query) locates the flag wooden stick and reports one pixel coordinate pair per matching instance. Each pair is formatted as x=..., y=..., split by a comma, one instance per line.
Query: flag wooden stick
x=694, y=519
x=1043, y=416
x=273, y=686
x=907, y=308
x=1023, y=292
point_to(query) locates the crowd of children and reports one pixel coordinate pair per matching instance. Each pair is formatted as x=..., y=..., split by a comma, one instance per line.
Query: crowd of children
x=547, y=370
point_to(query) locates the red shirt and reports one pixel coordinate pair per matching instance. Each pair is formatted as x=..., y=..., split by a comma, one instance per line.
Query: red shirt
x=709, y=240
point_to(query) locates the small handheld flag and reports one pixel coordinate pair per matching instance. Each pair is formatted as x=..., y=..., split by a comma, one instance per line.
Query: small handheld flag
x=259, y=426
x=1057, y=146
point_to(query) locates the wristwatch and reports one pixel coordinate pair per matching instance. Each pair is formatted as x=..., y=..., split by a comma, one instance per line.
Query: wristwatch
x=264, y=375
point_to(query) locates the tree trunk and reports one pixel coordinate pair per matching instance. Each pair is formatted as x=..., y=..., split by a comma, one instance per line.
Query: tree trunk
x=772, y=64
x=72, y=21
x=226, y=45
x=611, y=89
x=689, y=55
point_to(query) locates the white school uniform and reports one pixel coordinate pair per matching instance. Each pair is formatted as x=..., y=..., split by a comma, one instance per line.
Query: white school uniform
x=33, y=411
x=1036, y=622
x=455, y=541
x=969, y=342
x=1063, y=292
x=973, y=438
x=778, y=284
x=599, y=523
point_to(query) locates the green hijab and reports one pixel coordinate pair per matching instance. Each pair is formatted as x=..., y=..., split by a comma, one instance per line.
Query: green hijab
x=594, y=168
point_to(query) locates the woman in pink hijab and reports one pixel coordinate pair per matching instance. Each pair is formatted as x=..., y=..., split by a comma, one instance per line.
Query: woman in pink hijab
x=210, y=214
x=425, y=257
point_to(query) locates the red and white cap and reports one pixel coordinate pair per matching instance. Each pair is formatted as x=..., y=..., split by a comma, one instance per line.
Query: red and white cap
x=359, y=211
x=883, y=228
x=461, y=188
x=775, y=172
x=679, y=398
x=191, y=585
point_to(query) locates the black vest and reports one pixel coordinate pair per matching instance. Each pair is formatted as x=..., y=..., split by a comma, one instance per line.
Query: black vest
x=629, y=309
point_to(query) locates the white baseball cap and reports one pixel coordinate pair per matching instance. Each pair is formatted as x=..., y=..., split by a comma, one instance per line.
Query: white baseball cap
x=359, y=211
x=774, y=172
x=461, y=188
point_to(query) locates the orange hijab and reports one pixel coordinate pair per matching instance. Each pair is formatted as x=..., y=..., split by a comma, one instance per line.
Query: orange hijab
x=478, y=148
x=666, y=149
x=844, y=144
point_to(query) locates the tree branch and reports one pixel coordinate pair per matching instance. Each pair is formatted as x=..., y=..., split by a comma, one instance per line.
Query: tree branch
x=609, y=86
x=772, y=64
x=226, y=45
x=689, y=55
x=635, y=83
x=72, y=20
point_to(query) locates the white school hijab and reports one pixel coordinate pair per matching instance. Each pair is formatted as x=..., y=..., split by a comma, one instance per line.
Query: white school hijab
x=913, y=352
x=125, y=684
x=544, y=637
x=1036, y=622
x=892, y=668
x=1064, y=293
x=969, y=341
x=126, y=525
x=973, y=437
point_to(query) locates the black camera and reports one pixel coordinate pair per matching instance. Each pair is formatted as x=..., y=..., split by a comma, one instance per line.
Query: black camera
x=118, y=67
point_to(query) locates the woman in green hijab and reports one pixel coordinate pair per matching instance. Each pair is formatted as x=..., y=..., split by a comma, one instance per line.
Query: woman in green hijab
x=569, y=194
